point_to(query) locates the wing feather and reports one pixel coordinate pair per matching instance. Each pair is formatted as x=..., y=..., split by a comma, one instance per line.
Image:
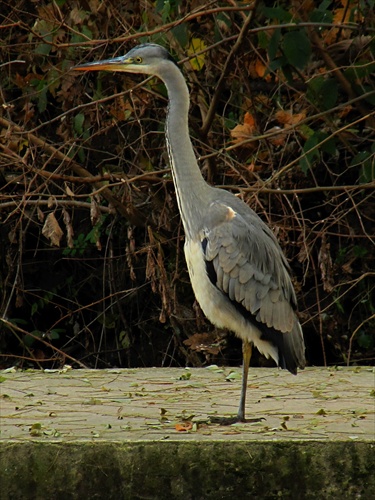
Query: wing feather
x=250, y=267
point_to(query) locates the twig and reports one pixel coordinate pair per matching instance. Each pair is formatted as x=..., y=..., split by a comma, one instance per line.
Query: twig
x=69, y=203
x=338, y=74
x=372, y=317
x=131, y=213
x=227, y=68
x=165, y=27
x=13, y=327
x=316, y=189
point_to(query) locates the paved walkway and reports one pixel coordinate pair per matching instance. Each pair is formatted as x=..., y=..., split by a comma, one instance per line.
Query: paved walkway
x=158, y=403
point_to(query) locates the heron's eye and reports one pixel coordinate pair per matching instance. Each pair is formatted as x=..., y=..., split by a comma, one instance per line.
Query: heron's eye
x=138, y=59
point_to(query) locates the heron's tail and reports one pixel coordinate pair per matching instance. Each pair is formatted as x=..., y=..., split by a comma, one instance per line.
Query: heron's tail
x=292, y=349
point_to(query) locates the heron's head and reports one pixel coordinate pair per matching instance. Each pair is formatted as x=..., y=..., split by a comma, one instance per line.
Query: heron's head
x=147, y=59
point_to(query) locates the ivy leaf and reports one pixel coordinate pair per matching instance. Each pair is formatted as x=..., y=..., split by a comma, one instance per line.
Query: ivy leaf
x=309, y=156
x=322, y=92
x=180, y=32
x=43, y=49
x=78, y=123
x=274, y=44
x=42, y=99
x=322, y=14
x=297, y=48
x=277, y=13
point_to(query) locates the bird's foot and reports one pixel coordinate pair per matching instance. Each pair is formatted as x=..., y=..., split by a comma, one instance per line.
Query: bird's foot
x=234, y=420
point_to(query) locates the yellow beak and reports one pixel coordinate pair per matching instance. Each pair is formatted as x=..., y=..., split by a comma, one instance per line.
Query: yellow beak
x=116, y=64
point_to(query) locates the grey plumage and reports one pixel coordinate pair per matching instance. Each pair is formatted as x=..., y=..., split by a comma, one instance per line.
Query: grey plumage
x=250, y=269
x=239, y=274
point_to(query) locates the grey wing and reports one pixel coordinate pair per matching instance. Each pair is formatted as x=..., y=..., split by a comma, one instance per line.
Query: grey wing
x=245, y=262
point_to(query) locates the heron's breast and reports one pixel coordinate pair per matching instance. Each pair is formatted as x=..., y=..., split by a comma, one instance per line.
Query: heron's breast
x=205, y=292
x=214, y=304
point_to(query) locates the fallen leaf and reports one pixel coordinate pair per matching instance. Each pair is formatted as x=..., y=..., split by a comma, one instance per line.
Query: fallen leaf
x=349, y=12
x=288, y=118
x=261, y=69
x=121, y=110
x=204, y=342
x=244, y=131
x=278, y=139
x=321, y=412
x=233, y=376
x=184, y=427
x=345, y=111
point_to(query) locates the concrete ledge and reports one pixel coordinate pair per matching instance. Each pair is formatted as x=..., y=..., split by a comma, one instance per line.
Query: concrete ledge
x=188, y=470
x=112, y=434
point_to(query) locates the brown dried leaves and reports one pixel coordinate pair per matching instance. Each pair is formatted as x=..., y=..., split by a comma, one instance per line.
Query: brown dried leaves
x=52, y=230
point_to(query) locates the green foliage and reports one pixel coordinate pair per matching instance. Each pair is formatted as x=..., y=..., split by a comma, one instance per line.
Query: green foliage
x=277, y=13
x=365, y=339
x=167, y=9
x=359, y=251
x=297, y=48
x=287, y=51
x=323, y=92
x=39, y=305
x=83, y=242
x=315, y=145
x=41, y=90
x=18, y=321
x=78, y=123
x=86, y=34
x=274, y=46
x=181, y=34
x=32, y=339
x=311, y=153
x=46, y=31
x=322, y=13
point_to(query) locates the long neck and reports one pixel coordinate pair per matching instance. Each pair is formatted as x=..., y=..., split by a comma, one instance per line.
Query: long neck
x=191, y=189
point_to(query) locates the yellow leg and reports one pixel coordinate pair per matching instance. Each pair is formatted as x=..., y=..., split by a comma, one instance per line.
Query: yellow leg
x=247, y=350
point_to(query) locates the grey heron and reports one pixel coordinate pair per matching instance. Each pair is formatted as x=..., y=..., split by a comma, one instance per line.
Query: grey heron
x=238, y=272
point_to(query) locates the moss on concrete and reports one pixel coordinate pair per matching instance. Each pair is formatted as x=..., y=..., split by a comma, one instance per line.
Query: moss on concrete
x=187, y=470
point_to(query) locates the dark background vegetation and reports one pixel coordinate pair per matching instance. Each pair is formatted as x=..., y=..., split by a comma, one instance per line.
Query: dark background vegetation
x=92, y=270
